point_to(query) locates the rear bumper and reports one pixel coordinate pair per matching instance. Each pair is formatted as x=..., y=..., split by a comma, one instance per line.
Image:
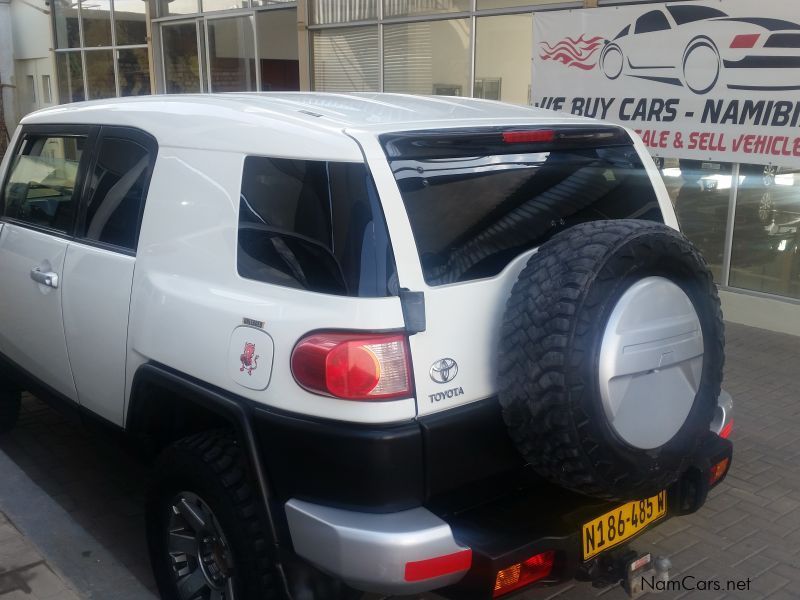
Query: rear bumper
x=369, y=551
x=372, y=552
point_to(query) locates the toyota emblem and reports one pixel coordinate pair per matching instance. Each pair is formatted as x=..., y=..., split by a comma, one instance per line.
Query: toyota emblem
x=444, y=370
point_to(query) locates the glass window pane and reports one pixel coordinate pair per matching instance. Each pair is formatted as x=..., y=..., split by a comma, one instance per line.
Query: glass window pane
x=66, y=24
x=134, y=72
x=40, y=187
x=342, y=11
x=507, y=3
x=47, y=92
x=427, y=58
x=311, y=225
x=100, y=74
x=130, y=22
x=402, y=8
x=113, y=213
x=177, y=7
x=69, y=74
x=96, y=17
x=231, y=52
x=700, y=192
x=472, y=215
x=502, y=58
x=181, y=66
x=211, y=5
x=347, y=60
x=766, y=241
x=277, y=52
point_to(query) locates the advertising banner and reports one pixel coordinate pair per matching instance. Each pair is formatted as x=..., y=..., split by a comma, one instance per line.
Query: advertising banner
x=702, y=80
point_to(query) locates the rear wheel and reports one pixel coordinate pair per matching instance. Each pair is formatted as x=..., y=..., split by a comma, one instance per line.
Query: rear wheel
x=10, y=406
x=204, y=526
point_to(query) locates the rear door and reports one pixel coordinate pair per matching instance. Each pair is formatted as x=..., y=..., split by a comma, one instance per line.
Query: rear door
x=99, y=266
x=467, y=208
x=40, y=199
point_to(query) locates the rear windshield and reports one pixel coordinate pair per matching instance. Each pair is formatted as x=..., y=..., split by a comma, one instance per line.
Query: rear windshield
x=472, y=215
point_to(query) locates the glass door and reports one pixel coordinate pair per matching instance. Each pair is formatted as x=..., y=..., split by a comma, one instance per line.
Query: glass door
x=181, y=45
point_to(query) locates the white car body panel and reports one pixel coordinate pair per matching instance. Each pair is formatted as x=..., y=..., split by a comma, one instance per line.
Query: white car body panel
x=96, y=300
x=32, y=330
x=188, y=299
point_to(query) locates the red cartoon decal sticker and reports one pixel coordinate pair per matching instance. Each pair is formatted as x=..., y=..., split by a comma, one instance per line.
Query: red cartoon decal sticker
x=573, y=52
x=249, y=358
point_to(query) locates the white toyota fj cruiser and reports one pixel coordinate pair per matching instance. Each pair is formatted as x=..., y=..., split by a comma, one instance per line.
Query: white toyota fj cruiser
x=392, y=342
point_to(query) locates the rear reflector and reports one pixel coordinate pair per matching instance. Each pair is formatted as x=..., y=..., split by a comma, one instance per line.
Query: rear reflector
x=726, y=431
x=438, y=566
x=531, y=136
x=747, y=40
x=353, y=366
x=718, y=471
x=521, y=574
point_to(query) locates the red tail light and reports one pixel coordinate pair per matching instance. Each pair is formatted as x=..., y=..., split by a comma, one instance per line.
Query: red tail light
x=521, y=574
x=529, y=137
x=747, y=40
x=353, y=366
x=727, y=430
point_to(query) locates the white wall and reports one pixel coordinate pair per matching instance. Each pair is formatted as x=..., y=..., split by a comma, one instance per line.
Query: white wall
x=757, y=311
x=31, y=25
x=29, y=53
x=7, y=77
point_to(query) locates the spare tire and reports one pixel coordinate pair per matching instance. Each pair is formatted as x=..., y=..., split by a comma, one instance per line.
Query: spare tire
x=611, y=358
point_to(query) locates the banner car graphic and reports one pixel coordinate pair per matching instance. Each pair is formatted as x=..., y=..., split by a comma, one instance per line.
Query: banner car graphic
x=702, y=80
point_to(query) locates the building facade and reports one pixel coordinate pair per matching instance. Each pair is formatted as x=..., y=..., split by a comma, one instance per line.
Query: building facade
x=744, y=216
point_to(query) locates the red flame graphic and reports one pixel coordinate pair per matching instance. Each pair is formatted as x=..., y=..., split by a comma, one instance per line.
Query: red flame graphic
x=573, y=52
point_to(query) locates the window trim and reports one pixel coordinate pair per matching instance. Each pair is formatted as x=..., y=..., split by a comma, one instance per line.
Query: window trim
x=90, y=132
x=131, y=134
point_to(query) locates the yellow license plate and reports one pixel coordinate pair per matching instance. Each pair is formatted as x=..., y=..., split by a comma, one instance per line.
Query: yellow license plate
x=622, y=523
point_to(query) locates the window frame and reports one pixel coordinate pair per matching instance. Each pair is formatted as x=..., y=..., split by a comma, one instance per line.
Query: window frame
x=118, y=132
x=90, y=132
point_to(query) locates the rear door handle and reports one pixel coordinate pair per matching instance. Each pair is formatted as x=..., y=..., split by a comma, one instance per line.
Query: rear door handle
x=49, y=278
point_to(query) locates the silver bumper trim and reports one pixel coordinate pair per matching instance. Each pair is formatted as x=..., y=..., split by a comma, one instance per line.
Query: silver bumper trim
x=724, y=412
x=370, y=551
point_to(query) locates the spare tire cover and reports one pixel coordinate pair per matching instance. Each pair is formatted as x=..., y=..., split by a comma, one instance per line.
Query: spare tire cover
x=611, y=358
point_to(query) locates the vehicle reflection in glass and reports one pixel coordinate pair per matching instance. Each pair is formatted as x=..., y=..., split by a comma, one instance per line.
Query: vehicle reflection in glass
x=764, y=253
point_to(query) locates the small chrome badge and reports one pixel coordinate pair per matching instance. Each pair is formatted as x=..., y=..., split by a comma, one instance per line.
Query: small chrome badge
x=444, y=370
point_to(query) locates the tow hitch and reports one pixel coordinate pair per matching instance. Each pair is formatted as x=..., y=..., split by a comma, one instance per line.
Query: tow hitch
x=638, y=573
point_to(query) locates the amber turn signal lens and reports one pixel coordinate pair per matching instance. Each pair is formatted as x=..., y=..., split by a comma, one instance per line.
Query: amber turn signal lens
x=521, y=574
x=718, y=471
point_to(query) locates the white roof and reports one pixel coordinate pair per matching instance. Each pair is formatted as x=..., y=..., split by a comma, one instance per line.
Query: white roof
x=289, y=123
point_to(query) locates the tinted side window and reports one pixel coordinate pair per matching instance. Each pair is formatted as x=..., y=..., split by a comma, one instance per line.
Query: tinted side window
x=117, y=190
x=313, y=225
x=41, y=185
x=652, y=21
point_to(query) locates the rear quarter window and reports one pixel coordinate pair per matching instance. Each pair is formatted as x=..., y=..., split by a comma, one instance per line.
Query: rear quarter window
x=313, y=225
